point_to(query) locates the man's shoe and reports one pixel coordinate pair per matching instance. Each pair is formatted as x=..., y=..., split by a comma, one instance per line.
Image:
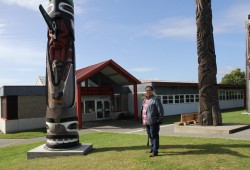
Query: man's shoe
x=149, y=151
x=153, y=154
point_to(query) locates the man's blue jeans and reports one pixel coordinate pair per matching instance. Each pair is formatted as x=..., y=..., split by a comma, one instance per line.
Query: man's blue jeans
x=153, y=134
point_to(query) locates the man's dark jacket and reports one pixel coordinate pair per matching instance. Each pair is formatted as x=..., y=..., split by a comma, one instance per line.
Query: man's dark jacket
x=154, y=111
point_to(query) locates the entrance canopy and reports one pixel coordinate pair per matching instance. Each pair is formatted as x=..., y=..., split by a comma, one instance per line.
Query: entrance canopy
x=103, y=79
x=106, y=73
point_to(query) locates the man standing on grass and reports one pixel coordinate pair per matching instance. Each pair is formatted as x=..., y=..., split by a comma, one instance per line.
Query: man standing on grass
x=152, y=114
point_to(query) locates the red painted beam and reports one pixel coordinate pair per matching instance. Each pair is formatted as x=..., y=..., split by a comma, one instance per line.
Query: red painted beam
x=79, y=105
x=135, y=103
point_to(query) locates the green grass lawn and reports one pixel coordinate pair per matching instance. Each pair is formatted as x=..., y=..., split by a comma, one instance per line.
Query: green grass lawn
x=228, y=116
x=235, y=116
x=128, y=151
x=24, y=135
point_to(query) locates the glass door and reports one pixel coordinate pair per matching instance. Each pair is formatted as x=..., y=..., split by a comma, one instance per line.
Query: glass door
x=106, y=109
x=99, y=109
x=103, y=109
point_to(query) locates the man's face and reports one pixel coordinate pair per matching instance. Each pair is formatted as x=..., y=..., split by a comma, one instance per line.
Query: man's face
x=149, y=92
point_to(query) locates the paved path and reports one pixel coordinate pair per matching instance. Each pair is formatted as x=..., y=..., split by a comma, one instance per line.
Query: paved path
x=130, y=127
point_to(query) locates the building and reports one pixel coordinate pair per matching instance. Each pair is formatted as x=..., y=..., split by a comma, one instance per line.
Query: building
x=22, y=108
x=183, y=97
x=103, y=91
x=100, y=95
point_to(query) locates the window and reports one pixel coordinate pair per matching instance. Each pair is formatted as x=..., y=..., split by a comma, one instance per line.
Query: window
x=196, y=98
x=159, y=97
x=3, y=107
x=220, y=95
x=230, y=94
x=169, y=99
x=227, y=95
x=177, y=98
x=187, y=98
x=89, y=106
x=191, y=98
x=235, y=94
x=240, y=94
x=165, y=99
x=117, y=102
x=182, y=99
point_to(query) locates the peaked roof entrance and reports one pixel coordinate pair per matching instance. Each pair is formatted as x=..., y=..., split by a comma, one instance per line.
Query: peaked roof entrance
x=109, y=70
x=101, y=75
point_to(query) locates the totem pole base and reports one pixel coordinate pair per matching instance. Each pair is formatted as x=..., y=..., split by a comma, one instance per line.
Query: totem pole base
x=43, y=151
x=245, y=113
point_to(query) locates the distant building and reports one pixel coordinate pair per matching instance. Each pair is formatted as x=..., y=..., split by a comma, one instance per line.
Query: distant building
x=22, y=108
x=103, y=91
x=183, y=97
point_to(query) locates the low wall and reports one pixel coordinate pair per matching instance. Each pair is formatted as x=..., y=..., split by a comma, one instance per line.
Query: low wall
x=18, y=125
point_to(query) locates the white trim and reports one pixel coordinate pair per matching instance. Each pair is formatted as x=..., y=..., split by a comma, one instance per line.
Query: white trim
x=61, y=7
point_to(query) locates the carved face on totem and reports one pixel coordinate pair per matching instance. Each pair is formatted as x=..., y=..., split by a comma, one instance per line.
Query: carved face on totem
x=61, y=120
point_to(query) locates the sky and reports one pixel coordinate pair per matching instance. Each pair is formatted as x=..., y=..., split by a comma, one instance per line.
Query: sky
x=151, y=39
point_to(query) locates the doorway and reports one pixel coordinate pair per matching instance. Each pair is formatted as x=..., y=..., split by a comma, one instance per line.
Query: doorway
x=103, y=109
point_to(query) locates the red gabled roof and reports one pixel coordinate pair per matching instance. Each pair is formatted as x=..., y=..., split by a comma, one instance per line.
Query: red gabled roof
x=87, y=72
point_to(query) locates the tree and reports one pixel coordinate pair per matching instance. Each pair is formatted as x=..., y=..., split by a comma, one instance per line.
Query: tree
x=236, y=77
x=209, y=109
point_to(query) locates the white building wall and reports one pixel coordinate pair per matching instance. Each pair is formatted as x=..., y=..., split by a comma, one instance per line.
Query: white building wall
x=228, y=104
x=175, y=109
x=131, y=103
x=0, y=107
x=9, y=126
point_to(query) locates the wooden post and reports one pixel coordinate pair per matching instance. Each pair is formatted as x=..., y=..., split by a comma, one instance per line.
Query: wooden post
x=79, y=105
x=135, y=103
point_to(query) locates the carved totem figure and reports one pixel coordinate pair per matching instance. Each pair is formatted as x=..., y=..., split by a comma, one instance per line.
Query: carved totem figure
x=61, y=119
x=248, y=63
x=209, y=109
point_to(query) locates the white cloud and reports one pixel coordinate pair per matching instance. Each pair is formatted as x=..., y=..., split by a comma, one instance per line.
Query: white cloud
x=232, y=19
x=9, y=81
x=29, y=4
x=142, y=69
x=21, y=63
x=34, y=4
x=177, y=27
x=2, y=28
x=78, y=5
x=22, y=55
x=155, y=79
x=225, y=70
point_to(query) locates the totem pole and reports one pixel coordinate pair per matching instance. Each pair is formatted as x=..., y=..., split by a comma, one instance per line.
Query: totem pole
x=61, y=119
x=209, y=109
x=248, y=63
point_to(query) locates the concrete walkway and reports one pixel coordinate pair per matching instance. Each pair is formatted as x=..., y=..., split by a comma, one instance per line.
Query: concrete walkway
x=130, y=127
